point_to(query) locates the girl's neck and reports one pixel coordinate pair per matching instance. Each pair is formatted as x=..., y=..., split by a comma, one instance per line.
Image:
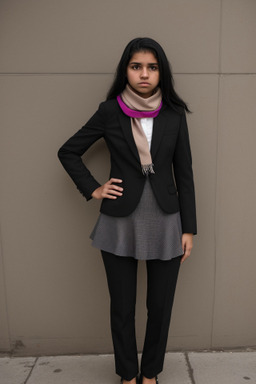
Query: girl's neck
x=143, y=96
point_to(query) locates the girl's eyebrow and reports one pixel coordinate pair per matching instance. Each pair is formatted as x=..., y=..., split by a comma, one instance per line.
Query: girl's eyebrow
x=134, y=62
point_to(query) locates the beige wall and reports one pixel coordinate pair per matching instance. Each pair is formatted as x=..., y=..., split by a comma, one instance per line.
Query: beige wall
x=57, y=62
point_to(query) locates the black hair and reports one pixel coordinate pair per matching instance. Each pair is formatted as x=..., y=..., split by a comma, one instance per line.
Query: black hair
x=166, y=83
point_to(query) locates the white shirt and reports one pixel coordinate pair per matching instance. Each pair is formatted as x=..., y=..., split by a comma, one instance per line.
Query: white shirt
x=147, y=126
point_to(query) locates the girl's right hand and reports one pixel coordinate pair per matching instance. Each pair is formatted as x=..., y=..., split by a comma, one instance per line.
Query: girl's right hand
x=108, y=190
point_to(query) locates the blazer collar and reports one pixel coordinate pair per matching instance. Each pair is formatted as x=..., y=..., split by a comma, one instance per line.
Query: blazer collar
x=158, y=130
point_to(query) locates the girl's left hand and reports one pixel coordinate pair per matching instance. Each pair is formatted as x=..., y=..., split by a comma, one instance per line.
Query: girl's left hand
x=187, y=245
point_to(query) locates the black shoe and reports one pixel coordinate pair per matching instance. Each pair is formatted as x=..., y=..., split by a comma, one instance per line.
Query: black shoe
x=137, y=380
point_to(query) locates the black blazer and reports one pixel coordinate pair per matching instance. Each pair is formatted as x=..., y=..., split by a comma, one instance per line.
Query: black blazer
x=171, y=156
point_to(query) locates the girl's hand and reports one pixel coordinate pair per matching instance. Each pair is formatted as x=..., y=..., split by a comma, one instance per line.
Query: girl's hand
x=108, y=190
x=187, y=245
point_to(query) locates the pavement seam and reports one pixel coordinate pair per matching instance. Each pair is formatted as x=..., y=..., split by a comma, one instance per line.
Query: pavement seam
x=189, y=368
x=30, y=373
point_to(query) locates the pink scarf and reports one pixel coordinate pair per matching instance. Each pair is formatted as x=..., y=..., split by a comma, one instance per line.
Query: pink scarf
x=136, y=107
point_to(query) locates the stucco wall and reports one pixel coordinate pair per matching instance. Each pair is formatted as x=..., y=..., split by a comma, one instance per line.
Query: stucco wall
x=57, y=62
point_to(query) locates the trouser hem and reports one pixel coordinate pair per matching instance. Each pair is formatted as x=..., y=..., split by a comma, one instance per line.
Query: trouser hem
x=150, y=375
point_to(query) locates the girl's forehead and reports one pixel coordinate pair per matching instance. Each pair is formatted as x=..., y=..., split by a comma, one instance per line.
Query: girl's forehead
x=145, y=56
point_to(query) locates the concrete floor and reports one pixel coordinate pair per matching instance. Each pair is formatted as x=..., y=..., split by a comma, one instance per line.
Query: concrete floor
x=179, y=368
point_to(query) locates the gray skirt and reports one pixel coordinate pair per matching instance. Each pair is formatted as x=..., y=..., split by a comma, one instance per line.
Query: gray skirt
x=147, y=233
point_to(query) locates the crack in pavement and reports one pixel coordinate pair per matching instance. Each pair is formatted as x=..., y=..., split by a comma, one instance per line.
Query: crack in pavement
x=190, y=369
x=30, y=373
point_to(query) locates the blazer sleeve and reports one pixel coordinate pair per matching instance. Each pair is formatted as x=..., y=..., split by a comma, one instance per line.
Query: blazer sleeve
x=71, y=151
x=182, y=166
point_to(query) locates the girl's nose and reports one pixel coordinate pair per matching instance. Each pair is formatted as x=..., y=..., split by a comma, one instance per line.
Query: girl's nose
x=144, y=72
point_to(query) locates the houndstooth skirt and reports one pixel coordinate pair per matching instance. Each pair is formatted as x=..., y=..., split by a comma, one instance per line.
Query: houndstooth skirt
x=147, y=233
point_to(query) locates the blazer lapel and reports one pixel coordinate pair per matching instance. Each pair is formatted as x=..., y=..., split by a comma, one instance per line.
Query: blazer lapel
x=125, y=123
x=158, y=130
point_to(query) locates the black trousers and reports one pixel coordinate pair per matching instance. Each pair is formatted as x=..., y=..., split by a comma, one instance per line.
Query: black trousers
x=122, y=283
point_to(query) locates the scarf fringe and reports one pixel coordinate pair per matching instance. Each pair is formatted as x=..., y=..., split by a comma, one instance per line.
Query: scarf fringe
x=147, y=169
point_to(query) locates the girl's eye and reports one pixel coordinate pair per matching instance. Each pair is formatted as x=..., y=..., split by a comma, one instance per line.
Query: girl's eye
x=136, y=67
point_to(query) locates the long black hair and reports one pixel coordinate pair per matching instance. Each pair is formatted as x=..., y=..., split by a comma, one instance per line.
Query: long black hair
x=170, y=97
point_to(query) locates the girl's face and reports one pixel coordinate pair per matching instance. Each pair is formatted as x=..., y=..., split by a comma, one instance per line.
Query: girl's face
x=143, y=73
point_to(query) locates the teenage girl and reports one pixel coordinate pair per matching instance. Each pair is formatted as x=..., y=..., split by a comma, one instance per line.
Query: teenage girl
x=148, y=203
